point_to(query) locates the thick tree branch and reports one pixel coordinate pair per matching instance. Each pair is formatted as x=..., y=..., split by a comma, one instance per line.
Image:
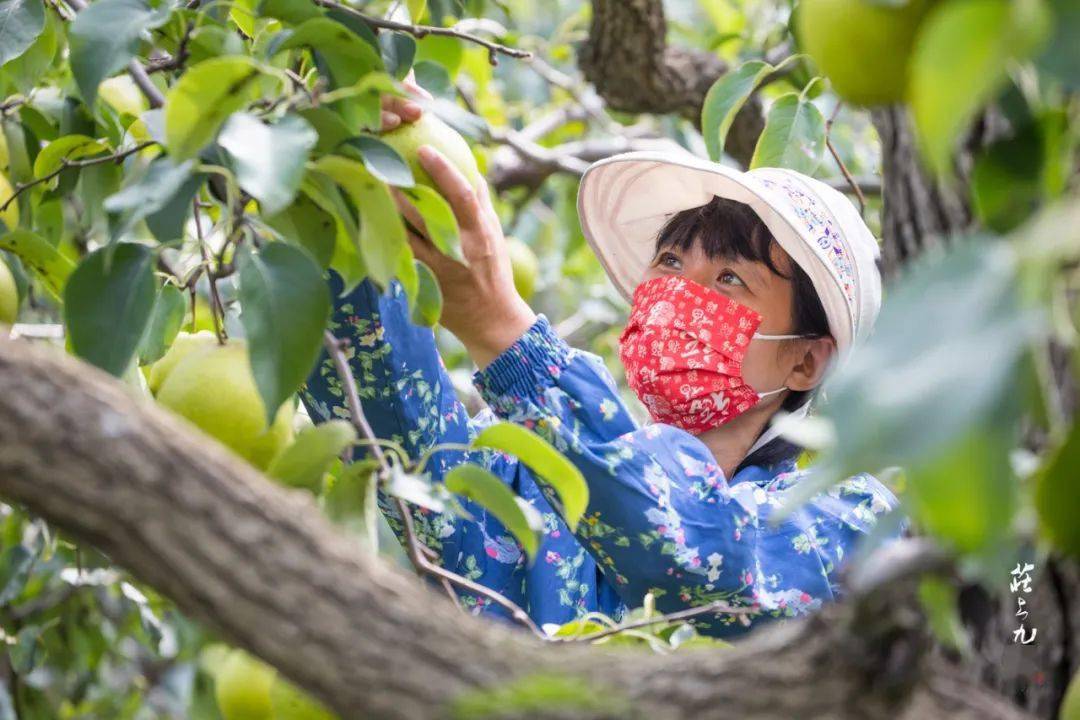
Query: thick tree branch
x=628, y=60
x=262, y=565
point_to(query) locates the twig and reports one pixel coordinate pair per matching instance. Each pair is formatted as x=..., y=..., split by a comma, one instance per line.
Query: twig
x=836, y=156
x=420, y=31
x=173, y=62
x=66, y=164
x=713, y=607
x=417, y=551
x=217, y=310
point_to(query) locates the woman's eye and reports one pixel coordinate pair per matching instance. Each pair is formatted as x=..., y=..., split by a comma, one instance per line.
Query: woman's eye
x=668, y=259
x=728, y=277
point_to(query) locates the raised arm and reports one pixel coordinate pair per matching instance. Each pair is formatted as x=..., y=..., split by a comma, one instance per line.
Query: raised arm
x=407, y=396
x=662, y=517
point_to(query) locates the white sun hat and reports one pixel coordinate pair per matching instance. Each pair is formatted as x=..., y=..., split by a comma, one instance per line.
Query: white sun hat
x=625, y=199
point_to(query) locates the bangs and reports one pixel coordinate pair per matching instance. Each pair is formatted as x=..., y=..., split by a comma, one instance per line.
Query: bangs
x=724, y=228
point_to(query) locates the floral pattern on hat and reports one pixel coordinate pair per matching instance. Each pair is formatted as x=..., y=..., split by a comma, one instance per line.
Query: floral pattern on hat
x=823, y=229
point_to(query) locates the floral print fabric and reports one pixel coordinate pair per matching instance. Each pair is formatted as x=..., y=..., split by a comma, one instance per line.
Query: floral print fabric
x=662, y=517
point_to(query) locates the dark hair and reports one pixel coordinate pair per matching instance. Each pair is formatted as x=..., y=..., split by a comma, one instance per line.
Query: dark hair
x=731, y=229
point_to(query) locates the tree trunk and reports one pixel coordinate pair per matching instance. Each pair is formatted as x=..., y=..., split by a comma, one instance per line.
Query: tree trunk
x=627, y=58
x=260, y=564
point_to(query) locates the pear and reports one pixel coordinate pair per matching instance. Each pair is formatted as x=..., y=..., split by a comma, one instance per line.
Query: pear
x=212, y=386
x=430, y=130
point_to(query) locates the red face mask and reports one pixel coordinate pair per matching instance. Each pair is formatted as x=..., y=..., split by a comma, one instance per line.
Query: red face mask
x=683, y=348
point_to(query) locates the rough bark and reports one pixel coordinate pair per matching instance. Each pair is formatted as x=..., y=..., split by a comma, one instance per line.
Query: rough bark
x=627, y=58
x=260, y=564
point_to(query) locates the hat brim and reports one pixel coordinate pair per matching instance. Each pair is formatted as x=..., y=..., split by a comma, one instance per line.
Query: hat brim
x=625, y=199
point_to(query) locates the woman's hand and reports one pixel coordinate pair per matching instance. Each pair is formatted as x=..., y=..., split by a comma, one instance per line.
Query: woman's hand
x=481, y=306
x=396, y=110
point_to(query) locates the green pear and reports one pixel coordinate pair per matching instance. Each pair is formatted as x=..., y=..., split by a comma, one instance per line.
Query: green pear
x=860, y=45
x=213, y=387
x=430, y=130
x=242, y=687
x=9, y=295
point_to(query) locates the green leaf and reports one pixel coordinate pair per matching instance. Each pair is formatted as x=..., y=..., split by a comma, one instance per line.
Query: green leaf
x=383, y=245
x=398, y=51
x=960, y=60
x=293, y=12
x=1062, y=54
x=434, y=78
x=15, y=565
x=108, y=302
x=794, y=136
x=21, y=22
x=1006, y=180
x=544, y=460
x=303, y=463
x=1057, y=496
x=156, y=190
x=416, y=9
x=349, y=58
x=908, y=397
x=105, y=37
x=383, y=161
x=439, y=220
x=517, y=516
x=164, y=326
x=204, y=97
x=27, y=652
x=306, y=224
x=429, y=299
x=286, y=305
x=48, y=264
x=350, y=499
x=167, y=223
x=939, y=599
x=269, y=159
x=724, y=100
x=330, y=125
x=69, y=147
x=26, y=70
x=346, y=258
x=417, y=489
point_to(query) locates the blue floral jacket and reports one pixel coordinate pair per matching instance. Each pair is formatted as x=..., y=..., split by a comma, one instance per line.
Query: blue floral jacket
x=662, y=517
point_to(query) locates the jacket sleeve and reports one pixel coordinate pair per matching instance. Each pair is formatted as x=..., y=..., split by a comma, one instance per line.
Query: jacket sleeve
x=662, y=517
x=407, y=396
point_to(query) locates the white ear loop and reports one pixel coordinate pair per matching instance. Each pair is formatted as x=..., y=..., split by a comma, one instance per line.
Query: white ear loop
x=759, y=336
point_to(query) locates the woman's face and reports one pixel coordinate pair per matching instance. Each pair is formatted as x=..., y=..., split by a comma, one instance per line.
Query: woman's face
x=769, y=364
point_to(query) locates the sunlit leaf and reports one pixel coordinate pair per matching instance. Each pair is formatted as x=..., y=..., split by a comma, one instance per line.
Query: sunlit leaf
x=429, y=300
x=204, y=97
x=303, y=463
x=383, y=161
x=439, y=220
x=544, y=460
x=520, y=518
x=794, y=135
x=39, y=255
x=724, y=100
x=69, y=147
x=269, y=159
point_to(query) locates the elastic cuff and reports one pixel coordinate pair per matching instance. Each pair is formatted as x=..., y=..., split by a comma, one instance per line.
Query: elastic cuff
x=528, y=367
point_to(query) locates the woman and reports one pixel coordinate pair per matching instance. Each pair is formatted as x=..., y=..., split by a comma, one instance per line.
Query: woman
x=678, y=507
